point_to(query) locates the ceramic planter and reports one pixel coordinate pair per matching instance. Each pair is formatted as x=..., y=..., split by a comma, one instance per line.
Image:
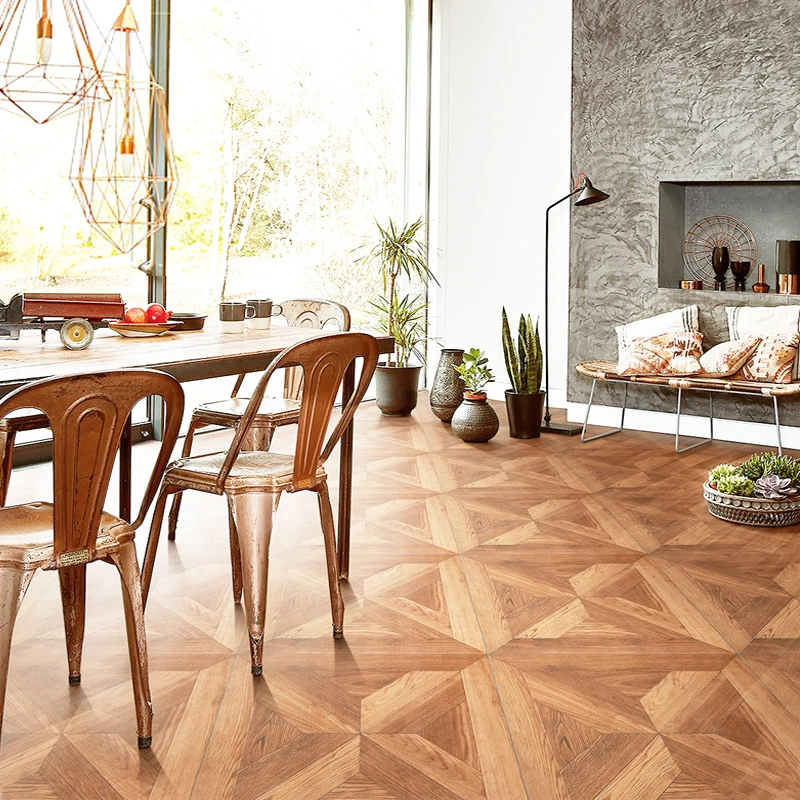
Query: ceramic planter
x=475, y=420
x=752, y=510
x=447, y=389
x=396, y=389
x=524, y=414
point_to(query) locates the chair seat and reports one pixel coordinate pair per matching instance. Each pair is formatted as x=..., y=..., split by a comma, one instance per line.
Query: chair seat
x=252, y=469
x=273, y=410
x=26, y=536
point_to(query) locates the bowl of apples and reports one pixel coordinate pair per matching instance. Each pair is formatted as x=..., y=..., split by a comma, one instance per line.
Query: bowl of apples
x=150, y=321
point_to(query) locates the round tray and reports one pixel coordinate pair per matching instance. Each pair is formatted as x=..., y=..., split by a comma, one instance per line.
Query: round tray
x=752, y=510
x=188, y=321
x=717, y=231
x=135, y=329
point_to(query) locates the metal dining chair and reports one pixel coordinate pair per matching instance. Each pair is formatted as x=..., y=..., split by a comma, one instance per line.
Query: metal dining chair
x=9, y=428
x=274, y=412
x=253, y=480
x=87, y=414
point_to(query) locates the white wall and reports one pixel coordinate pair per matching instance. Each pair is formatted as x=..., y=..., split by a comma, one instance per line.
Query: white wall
x=501, y=150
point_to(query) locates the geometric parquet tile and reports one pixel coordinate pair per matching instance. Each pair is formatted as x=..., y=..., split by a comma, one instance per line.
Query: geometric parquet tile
x=525, y=619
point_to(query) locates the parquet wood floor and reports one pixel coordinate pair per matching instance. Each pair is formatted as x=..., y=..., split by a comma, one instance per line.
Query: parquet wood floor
x=525, y=619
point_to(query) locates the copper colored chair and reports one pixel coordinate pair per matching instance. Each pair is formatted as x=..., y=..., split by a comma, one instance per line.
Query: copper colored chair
x=9, y=428
x=87, y=414
x=274, y=411
x=253, y=480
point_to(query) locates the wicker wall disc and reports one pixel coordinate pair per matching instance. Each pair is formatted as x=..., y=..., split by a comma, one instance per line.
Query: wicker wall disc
x=717, y=231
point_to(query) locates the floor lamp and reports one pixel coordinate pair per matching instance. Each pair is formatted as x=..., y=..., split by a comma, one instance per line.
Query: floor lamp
x=588, y=195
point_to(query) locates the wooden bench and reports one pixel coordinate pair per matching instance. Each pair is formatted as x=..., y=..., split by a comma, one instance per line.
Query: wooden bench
x=605, y=371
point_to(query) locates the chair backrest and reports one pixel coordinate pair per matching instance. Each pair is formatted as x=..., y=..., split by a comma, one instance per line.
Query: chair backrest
x=323, y=362
x=310, y=313
x=87, y=415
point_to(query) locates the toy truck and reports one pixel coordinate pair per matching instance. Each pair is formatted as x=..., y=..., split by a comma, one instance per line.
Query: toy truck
x=75, y=316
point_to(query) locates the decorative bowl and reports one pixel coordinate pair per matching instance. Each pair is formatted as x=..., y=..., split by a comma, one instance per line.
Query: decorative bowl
x=752, y=510
x=136, y=329
x=188, y=321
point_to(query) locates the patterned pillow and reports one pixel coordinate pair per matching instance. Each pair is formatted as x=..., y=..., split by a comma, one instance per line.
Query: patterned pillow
x=667, y=354
x=772, y=361
x=729, y=357
x=746, y=321
x=684, y=319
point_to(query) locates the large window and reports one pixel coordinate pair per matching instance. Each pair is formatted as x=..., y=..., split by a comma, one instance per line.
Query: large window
x=289, y=120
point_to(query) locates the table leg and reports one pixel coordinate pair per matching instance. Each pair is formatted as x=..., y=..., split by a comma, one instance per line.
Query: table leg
x=346, y=477
x=125, y=471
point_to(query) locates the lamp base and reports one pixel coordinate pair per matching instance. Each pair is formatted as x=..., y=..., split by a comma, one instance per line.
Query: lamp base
x=565, y=428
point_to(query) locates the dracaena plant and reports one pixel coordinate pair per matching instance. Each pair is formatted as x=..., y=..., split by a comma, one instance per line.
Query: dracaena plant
x=401, y=254
x=523, y=357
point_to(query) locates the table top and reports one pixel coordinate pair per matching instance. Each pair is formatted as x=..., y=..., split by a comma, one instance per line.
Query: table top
x=188, y=356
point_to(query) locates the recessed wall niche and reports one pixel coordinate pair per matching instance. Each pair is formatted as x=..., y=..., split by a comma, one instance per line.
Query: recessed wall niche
x=770, y=209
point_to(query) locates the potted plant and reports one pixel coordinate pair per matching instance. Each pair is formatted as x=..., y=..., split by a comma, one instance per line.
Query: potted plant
x=402, y=258
x=525, y=398
x=475, y=420
x=764, y=490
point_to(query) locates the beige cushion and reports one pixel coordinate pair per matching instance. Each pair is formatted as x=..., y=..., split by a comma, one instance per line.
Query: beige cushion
x=772, y=360
x=684, y=320
x=667, y=354
x=746, y=321
x=728, y=357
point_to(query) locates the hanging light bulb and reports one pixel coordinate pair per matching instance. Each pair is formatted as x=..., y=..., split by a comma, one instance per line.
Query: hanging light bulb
x=44, y=36
x=61, y=74
x=119, y=146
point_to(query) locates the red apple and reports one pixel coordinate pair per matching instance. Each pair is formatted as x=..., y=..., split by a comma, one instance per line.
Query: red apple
x=135, y=316
x=157, y=314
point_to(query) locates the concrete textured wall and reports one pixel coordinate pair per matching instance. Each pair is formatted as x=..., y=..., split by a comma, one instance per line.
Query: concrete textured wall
x=671, y=90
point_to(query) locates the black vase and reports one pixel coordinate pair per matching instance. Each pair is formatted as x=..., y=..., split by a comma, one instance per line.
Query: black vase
x=396, y=389
x=447, y=389
x=524, y=414
x=720, y=260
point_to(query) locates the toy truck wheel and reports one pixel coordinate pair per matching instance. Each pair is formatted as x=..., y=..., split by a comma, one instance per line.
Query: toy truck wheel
x=76, y=334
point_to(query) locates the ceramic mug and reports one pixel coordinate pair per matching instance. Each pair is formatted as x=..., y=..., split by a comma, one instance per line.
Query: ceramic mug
x=232, y=316
x=264, y=311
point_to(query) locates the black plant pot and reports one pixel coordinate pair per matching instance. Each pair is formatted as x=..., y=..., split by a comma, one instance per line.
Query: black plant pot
x=396, y=389
x=524, y=414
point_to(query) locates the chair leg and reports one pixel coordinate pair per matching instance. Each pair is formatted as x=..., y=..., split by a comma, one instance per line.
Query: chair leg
x=7, y=449
x=175, y=508
x=252, y=514
x=258, y=438
x=13, y=585
x=331, y=556
x=125, y=561
x=152, y=540
x=236, y=556
x=73, y=606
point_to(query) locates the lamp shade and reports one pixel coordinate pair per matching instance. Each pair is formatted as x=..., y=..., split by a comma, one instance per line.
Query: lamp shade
x=590, y=195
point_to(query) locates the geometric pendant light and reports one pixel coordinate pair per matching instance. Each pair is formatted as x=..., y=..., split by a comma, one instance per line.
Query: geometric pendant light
x=123, y=167
x=47, y=66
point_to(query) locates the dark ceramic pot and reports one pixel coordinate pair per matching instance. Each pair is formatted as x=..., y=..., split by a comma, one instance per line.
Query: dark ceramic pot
x=396, y=389
x=447, y=389
x=524, y=414
x=475, y=420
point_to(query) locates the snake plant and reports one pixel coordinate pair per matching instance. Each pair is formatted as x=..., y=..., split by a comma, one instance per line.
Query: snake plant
x=523, y=358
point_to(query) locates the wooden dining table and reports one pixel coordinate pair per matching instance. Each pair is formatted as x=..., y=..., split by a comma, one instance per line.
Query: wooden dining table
x=187, y=356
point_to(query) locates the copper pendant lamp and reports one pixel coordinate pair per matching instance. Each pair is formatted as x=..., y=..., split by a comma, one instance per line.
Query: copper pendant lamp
x=47, y=65
x=123, y=169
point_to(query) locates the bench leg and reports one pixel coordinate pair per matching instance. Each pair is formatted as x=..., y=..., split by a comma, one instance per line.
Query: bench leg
x=678, y=448
x=584, y=437
x=777, y=423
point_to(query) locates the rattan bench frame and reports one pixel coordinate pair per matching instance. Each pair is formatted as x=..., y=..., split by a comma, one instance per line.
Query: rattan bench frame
x=605, y=371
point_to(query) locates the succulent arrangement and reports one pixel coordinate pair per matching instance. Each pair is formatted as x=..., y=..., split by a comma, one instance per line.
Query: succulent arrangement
x=764, y=475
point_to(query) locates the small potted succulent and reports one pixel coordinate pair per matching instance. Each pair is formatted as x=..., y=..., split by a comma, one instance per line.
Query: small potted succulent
x=764, y=490
x=475, y=420
x=525, y=398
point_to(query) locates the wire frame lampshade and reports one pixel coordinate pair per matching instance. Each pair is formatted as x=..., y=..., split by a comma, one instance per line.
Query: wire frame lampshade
x=123, y=168
x=47, y=65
